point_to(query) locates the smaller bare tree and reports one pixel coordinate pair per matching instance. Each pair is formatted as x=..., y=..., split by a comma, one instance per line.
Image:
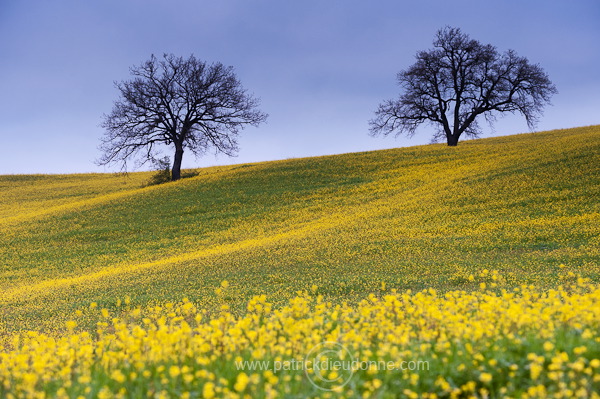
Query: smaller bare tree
x=183, y=103
x=458, y=80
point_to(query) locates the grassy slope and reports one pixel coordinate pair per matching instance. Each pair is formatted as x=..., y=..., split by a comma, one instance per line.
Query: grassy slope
x=417, y=217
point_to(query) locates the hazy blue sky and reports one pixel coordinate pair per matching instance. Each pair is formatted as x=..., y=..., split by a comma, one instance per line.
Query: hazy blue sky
x=320, y=67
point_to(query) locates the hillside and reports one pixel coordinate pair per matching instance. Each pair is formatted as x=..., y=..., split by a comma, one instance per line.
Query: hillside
x=412, y=218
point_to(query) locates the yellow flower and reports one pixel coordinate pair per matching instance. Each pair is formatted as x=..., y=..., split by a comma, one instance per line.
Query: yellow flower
x=71, y=325
x=208, y=390
x=548, y=346
x=485, y=377
x=174, y=371
x=535, y=370
x=241, y=382
x=118, y=376
x=579, y=350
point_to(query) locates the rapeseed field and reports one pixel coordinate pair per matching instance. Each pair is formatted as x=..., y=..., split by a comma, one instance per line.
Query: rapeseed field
x=481, y=262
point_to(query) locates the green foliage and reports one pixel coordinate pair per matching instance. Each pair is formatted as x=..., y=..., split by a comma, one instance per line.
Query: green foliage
x=163, y=171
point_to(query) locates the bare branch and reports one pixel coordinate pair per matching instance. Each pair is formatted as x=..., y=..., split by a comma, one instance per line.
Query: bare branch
x=459, y=79
x=184, y=103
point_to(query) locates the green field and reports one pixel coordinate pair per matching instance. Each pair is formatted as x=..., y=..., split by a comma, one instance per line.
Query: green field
x=343, y=226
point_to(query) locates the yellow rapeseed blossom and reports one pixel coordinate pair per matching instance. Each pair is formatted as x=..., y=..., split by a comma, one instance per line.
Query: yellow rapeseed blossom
x=385, y=253
x=208, y=390
x=485, y=378
x=458, y=332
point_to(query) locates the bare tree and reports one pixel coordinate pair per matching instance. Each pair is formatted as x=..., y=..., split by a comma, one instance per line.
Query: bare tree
x=183, y=103
x=459, y=79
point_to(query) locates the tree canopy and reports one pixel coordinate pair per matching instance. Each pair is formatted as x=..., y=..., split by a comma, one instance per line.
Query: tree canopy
x=178, y=102
x=458, y=80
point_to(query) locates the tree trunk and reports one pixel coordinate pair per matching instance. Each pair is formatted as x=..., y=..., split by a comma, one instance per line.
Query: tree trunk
x=452, y=140
x=176, y=171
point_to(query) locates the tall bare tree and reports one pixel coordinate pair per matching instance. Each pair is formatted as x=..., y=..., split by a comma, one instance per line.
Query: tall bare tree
x=183, y=103
x=459, y=79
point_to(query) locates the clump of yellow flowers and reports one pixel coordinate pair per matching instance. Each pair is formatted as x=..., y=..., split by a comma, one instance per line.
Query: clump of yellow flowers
x=526, y=343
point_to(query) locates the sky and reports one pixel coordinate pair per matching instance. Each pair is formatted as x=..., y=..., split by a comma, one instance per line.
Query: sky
x=320, y=67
